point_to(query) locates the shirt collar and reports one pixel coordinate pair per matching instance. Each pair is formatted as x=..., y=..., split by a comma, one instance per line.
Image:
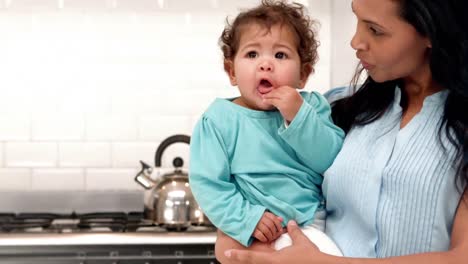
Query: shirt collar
x=432, y=100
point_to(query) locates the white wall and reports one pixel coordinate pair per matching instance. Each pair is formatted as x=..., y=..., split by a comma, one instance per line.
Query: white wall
x=343, y=59
x=90, y=87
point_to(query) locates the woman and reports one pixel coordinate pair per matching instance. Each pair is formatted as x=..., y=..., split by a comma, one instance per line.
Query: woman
x=396, y=193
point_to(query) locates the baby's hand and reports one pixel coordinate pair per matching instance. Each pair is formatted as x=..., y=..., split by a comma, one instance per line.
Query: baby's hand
x=286, y=99
x=268, y=228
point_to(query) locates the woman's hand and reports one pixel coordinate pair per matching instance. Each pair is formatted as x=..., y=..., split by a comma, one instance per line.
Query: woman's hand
x=301, y=251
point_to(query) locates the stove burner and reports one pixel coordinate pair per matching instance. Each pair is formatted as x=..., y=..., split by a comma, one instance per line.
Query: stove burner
x=103, y=221
x=86, y=222
x=26, y=222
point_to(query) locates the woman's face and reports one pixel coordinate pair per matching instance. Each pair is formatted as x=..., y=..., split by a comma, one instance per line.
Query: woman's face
x=388, y=47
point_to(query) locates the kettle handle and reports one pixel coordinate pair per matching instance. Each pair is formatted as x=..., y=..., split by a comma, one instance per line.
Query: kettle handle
x=168, y=141
x=143, y=178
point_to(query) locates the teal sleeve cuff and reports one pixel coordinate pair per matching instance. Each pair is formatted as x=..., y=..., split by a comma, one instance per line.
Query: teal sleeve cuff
x=246, y=237
x=298, y=120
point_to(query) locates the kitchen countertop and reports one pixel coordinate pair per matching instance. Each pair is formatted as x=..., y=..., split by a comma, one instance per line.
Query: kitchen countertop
x=128, y=238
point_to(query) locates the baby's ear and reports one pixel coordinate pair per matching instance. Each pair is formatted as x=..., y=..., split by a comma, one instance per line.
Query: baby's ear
x=306, y=71
x=229, y=69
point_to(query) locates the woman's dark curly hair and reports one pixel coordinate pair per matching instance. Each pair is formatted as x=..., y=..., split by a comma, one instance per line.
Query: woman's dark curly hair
x=268, y=14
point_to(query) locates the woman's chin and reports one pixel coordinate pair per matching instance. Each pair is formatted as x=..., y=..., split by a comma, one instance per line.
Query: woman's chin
x=380, y=78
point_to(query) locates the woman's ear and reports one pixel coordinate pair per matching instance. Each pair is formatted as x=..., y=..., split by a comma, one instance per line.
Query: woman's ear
x=428, y=43
x=229, y=69
x=306, y=71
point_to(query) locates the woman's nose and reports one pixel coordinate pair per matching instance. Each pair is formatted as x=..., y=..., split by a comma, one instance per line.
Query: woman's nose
x=358, y=43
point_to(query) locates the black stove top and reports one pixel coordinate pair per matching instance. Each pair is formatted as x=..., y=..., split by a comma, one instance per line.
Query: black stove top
x=81, y=222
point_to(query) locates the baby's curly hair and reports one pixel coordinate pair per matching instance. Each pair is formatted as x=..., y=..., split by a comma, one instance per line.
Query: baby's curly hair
x=268, y=14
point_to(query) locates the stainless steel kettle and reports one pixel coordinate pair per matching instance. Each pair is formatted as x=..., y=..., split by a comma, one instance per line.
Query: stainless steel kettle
x=169, y=202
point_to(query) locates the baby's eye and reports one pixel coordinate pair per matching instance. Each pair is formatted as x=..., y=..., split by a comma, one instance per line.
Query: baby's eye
x=280, y=55
x=252, y=54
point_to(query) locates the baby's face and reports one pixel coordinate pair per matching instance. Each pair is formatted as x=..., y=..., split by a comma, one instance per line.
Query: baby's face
x=264, y=61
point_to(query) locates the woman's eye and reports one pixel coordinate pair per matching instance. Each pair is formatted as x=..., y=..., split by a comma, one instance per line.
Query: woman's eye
x=280, y=55
x=375, y=31
x=252, y=54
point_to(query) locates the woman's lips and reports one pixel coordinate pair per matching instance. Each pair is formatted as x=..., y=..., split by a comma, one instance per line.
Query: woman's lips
x=366, y=65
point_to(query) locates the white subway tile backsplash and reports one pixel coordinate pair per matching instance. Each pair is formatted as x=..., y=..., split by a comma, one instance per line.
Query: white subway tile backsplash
x=15, y=179
x=175, y=104
x=211, y=23
x=89, y=5
x=111, y=179
x=84, y=98
x=111, y=127
x=126, y=102
x=236, y=6
x=16, y=99
x=128, y=155
x=57, y=127
x=30, y=154
x=45, y=99
x=185, y=6
x=157, y=128
x=85, y=154
x=207, y=76
x=15, y=126
x=132, y=5
x=32, y=5
x=2, y=156
x=58, y=179
x=90, y=87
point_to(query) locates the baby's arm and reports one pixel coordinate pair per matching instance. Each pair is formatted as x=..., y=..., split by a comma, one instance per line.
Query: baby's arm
x=312, y=133
x=213, y=187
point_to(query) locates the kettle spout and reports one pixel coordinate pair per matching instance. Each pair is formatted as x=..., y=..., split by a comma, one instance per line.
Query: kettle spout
x=144, y=176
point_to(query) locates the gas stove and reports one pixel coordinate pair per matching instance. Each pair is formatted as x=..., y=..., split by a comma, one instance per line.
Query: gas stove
x=84, y=223
x=100, y=237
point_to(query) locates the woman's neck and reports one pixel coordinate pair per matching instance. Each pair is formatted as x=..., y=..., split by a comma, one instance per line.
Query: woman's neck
x=418, y=87
x=415, y=90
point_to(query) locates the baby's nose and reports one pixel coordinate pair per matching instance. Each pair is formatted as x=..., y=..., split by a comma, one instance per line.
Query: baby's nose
x=266, y=66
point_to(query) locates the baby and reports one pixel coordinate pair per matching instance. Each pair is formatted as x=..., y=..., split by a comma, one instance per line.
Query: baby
x=257, y=160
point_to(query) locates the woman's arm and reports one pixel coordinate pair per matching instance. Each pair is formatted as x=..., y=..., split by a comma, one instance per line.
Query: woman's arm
x=304, y=252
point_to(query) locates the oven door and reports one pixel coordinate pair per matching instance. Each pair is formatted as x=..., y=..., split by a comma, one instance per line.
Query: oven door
x=109, y=254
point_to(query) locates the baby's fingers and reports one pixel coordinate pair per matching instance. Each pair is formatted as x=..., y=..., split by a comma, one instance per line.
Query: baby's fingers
x=275, y=220
x=260, y=236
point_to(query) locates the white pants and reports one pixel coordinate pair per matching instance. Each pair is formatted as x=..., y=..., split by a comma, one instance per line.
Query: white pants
x=315, y=233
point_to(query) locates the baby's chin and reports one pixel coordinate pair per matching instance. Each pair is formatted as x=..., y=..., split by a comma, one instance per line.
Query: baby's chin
x=265, y=107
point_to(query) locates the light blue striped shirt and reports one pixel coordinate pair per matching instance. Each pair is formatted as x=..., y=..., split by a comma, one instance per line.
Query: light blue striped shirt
x=391, y=191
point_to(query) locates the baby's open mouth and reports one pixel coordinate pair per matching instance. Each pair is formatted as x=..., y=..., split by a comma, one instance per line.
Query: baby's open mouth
x=264, y=86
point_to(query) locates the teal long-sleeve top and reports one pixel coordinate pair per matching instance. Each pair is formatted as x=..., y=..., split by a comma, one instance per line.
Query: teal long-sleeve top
x=243, y=162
